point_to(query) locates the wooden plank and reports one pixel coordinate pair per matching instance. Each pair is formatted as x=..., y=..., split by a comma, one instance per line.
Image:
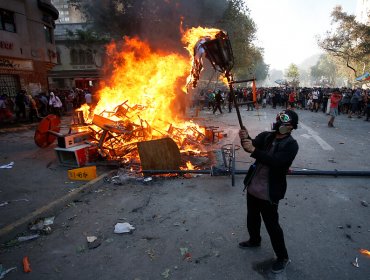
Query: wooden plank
x=160, y=154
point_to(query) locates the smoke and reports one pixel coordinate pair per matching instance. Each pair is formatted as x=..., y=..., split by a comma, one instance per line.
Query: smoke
x=156, y=21
x=161, y=20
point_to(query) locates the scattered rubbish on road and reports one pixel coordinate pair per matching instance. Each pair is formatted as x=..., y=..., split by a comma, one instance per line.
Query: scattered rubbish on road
x=93, y=242
x=349, y=236
x=341, y=227
x=42, y=225
x=151, y=254
x=187, y=257
x=166, y=273
x=364, y=203
x=123, y=228
x=26, y=265
x=147, y=179
x=7, y=166
x=355, y=263
x=72, y=218
x=81, y=249
x=185, y=253
x=14, y=200
x=4, y=271
x=91, y=238
x=28, y=237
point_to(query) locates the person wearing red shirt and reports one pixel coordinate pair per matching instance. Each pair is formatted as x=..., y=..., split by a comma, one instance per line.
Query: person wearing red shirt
x=292, y=99
x=335, y=97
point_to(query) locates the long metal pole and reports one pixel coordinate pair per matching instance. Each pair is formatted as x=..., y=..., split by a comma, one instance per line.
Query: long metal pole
x=229, y=80
x=219, y=172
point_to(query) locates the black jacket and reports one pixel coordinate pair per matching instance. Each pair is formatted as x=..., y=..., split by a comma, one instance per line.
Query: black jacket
x=283, y=154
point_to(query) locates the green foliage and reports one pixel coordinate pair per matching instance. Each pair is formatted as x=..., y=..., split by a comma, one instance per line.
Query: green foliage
x=292, y=74
x=350, y=42
x=86, y=37
x=241, y=29
x=324, y=70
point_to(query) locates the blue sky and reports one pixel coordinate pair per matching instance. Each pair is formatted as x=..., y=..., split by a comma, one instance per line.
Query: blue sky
x=287, y=29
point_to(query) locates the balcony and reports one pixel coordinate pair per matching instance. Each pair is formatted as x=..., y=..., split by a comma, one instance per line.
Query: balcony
x=46, y=6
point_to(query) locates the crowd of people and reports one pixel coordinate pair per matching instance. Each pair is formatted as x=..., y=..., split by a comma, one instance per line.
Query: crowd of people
x=25, y=107
x=353, y=102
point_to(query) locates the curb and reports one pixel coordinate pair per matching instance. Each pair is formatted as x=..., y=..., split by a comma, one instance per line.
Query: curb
x=10, y=231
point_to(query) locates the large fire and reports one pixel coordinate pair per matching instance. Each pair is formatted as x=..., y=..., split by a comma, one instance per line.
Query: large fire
x=141, y=97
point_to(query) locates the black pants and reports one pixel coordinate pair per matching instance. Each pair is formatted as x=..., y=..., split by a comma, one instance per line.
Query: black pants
x=217, y=106
x=269, y=212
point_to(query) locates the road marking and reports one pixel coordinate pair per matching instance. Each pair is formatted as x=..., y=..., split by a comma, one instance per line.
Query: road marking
x=324, y=145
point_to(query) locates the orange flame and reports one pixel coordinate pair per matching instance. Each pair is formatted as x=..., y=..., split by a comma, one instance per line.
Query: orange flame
x=144, y=87
x=365, y=252
x=189, y=166
x=143, y=77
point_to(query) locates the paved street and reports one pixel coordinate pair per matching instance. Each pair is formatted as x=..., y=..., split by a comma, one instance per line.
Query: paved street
x=190, y=228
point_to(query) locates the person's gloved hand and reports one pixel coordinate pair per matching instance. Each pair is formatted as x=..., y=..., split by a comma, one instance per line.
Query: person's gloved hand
x=248, y=146
x=243, y=134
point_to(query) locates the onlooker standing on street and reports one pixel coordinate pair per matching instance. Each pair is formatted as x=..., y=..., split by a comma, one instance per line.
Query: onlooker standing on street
x=335, y=98
x=33, y=108
x=315, y=100
x=88, y=98
x=218, y=102
x=55, y=104
x=266, y=182
x=20, y=102
x=355, y=103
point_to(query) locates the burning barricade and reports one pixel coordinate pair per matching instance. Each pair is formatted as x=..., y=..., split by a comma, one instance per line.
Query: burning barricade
x=143, y=100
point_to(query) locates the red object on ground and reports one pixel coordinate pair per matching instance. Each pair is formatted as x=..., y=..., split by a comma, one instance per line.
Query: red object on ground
x=26, y=265
x=42, y=136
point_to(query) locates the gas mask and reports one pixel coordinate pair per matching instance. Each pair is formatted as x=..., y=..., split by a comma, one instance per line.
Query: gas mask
x=282, y=124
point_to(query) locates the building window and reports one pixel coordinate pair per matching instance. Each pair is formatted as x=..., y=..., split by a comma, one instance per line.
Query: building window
x=48, y=34
x=59, y=61
x=7, y=21
x=82, y=57
x=74, y=56
x=89, y=57
x=9, y=85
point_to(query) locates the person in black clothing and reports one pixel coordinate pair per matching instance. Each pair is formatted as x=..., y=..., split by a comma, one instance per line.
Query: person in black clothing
x=218, y=102
x=20, y=101
x=265, y=182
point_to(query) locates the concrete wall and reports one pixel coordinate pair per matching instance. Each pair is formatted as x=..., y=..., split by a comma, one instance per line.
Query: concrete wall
x=29, y=41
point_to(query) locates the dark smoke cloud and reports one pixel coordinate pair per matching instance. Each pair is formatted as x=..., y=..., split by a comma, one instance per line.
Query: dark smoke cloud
x=157, y=21
x=161, y=19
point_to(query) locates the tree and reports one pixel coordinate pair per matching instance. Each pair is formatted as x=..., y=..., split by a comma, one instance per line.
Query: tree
x=350, y=42
x=242, y=31
x=324, y=72
x=292, y=74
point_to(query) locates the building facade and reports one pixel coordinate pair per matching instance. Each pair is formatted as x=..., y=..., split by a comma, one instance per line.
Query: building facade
x=27, y=45
x=67, y=12
x=79, y=60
